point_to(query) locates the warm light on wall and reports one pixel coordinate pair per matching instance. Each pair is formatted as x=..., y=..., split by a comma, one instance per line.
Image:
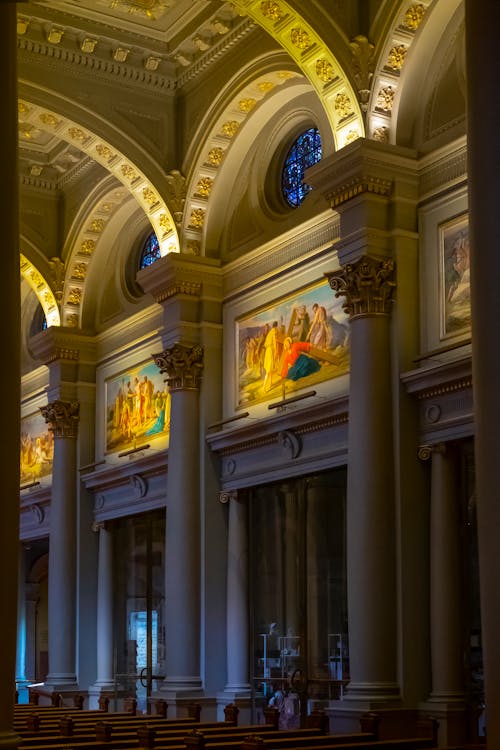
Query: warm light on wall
x=42, y=290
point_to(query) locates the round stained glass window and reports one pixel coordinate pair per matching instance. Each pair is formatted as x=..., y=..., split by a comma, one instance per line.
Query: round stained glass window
x=305, y=151
x=150, y=251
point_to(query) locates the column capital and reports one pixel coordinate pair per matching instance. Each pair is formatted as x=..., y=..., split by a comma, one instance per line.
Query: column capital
x=368, y=286
x=62, y=418
x=226, y=495
x=183, y=365
x=426, y=451
x=60, y=343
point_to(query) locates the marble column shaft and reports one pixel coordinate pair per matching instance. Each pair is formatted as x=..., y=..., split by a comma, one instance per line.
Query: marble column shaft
x=371, y=567
x=105, y=609
x=482, y=21
x=62, y=555
x=10, y=375
x=237, y=621
x=446, y=577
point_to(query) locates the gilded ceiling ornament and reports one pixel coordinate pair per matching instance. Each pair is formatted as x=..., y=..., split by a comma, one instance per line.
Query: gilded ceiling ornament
x=220, y=26
x=49, y=119
x=246, y=105
x=381, y=134
x=368, y=286
x=396, y=57
x=57, y=272
x=201, y=43
x=22, y=107
x=77, y=134
x=36, y=279
x=36, y=170
x=325, y=70
x=343, y=106
x=266, y=86
x=150, y=9
x=300, y=38
x=413, y=17
x=271, y=10
x=128, y=172
x=351, y=136
x=120, y=54
x=230, y=128
x=106, y=208
x=88, y=45
x=62, y=418
x=215, y=156
x=87, y=247
x=104, y=151
x=197, y=218
x=385, y=98
x=183, y=366
x=28, y=131
x=74, y=296
x=54, y=35
x=165, y=223
x=286, y=74
x=72, y=320
x=79, y=271
x=97, y=225
x=204, y=187
x=363, y=66
x=22, y=25
x=152, y=63
x=150, y=196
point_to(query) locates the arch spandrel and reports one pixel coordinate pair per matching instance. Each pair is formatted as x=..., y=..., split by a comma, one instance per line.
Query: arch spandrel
x=318, y=63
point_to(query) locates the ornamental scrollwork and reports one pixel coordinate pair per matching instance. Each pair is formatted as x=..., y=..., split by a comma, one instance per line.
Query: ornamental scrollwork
x=182, y=364
x=62, y=418
x=290, y=443
x=367, y=285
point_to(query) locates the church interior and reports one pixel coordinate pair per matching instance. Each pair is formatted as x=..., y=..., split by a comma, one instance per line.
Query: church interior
x=255, y=410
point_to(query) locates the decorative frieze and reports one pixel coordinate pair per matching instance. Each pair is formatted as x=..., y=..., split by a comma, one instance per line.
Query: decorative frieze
x=62, y=418
x=183, y=366
x=368, y=286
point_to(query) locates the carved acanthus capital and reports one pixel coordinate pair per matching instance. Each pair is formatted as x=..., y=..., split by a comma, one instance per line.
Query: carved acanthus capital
x=183, y=366
x=367, y=285
x=62, y=418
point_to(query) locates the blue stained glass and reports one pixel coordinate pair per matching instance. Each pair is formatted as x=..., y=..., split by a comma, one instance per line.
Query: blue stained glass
x=150, y=251
x=305, y=151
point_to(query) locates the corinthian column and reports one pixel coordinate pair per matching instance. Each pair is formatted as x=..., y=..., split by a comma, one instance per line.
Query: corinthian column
x=183, y=366
x=368, y=287
x=62, y=418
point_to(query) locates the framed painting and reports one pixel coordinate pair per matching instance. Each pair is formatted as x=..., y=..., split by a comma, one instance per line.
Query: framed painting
x=294, y=343
x=454, y=254
x=37, y=449
x=137, y=407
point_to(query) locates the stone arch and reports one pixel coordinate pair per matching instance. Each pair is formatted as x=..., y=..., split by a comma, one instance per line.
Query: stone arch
x=42, y=289
x=148, y=195
x=312, y=55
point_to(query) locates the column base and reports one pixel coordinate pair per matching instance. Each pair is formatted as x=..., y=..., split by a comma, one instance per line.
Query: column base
x=370, y=695
x=456, y=722
x=100, y=689
x=46, y=690
x=241, y=696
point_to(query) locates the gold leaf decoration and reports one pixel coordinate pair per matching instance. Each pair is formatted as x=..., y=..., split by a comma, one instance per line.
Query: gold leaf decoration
x=97, y=225
x=74, y=296
x=87, y=247
x=128, y=172
x=22, y=108
x=396, y=57
x=104, y=151
x=266, y=86
x=300, y=38
x=204, y=187
x=381, y=134
x=72, y=320
x=385, y=99
x=197, y=218
x=343, y=106
x=413, y=17
x=324, y=70
x=79, y=271
x=246, y=105
x=49, y=119
x=77, y=134
x=165, y=223
x=215, y=156
x=230, y=128
x=351, y=136
x=271, y=10
x=193, y=247
x=150, y=196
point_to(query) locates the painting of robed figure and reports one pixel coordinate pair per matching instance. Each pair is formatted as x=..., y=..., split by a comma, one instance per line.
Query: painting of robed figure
x=294, y=343
x=37, y=449
x=137, y=407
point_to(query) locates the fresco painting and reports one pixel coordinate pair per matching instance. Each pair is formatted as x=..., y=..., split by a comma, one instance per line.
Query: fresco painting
x=137, y=407
x=455, y=277
x=37, y=449
x=296, y=342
